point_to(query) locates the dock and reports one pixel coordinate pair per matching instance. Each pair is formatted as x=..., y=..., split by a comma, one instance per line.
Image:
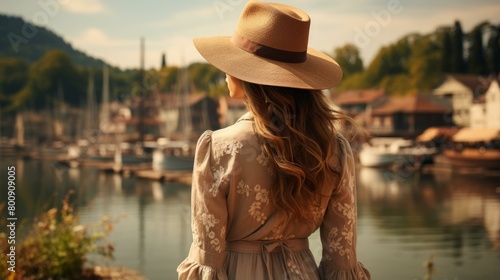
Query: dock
x=184, y=177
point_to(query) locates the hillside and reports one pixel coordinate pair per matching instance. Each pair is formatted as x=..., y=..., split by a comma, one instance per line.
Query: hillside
x=19, y=38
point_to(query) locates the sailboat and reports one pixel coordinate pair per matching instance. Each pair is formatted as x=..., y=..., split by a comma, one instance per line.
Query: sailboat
x=107, y=146
x=176, y=151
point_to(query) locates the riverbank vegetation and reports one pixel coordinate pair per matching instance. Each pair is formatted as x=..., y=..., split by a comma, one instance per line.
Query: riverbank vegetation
x=56, y=246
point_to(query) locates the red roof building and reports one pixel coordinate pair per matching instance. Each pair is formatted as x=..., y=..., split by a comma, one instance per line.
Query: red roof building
x=354, y=102
x=407, y=116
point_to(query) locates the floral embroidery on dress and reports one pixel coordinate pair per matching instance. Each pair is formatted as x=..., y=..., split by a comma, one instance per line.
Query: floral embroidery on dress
x=231, y=148
x=219, y=179
x=196, y=235
x=317, y=212
x=209, y=221
x=262, y=159
x=261, y=194
x=261, y=197
x=337, y=239
x=292, y=265
x=243, y=189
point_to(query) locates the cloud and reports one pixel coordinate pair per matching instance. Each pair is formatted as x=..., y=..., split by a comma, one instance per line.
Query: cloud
x=83, y=6
x=95, y=37
x=125, y=53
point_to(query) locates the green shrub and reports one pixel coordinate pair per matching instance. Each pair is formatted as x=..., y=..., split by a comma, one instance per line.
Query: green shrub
x=56, y=245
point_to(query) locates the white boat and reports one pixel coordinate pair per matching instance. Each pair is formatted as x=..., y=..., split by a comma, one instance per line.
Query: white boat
x=174, y=155
x=386, y=152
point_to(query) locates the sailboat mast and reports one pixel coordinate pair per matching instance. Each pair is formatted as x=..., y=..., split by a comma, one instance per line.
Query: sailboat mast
x=186, y=106
x=104, y=122
x=142, y=96
x=90, y=116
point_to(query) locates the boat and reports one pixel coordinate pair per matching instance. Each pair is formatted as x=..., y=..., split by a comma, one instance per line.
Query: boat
x=176, y=150
x=174, y=155
x=475, y=148
x=387, y=152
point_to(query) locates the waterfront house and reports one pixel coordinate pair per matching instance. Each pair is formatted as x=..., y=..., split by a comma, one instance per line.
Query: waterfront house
x=230, y=110
x=359, y=103
x=485, y=112
x=187, y=116
x=407, y=116
x=461, y=90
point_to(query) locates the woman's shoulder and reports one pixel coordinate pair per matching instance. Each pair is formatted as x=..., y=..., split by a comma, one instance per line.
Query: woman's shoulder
x=239, y=131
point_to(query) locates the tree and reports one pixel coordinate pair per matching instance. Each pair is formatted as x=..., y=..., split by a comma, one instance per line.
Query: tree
x=163, y=61
x=349, y=59
x=13, y=77
x=55, y=69
x=390, y=60
x=425, y=56
x=494, y=50
x=477, y=62
x=457, y=62
x=205, y=76
x=168, y=78
x=446, y=51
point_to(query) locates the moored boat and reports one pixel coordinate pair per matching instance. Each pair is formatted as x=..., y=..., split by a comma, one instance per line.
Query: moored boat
x=174, y=155
x=475, y=148
x=386, y=152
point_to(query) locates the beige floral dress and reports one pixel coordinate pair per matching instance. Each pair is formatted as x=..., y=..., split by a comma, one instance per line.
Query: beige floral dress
x=238, y=234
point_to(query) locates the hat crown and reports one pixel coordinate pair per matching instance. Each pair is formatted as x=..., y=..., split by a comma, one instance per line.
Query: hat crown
x=275, y=25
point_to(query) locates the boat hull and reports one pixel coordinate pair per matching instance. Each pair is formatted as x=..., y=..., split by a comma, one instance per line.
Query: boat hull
x=373, y=159
x=474, y=158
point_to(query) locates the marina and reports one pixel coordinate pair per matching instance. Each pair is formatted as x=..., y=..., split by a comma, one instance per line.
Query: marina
x=405, y=217
x=91, y=134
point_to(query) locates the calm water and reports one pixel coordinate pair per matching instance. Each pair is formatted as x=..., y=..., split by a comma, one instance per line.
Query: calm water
x=403, y=218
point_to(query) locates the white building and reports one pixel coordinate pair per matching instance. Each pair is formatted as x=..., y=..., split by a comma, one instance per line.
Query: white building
x=485, y=113
x=462, y=90
x=493, y=105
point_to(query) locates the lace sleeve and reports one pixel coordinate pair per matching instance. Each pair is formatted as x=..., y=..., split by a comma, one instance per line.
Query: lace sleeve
x=208, y=216
x=338, y=230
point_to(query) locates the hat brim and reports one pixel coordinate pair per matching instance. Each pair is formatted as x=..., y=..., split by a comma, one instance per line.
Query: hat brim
x=319, y=71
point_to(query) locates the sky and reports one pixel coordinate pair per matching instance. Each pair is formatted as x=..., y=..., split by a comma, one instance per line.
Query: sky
x=111, y=29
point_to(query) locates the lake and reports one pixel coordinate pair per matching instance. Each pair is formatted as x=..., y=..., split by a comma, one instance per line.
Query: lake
x=404, y=218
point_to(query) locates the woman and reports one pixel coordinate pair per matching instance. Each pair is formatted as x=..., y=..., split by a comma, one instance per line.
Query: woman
x=263, y=185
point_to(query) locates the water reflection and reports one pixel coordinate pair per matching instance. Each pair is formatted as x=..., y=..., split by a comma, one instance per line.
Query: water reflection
x=404, y=218
x=454, y=217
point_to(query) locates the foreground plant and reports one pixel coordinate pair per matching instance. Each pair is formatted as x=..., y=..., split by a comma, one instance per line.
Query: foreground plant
x=56, y=246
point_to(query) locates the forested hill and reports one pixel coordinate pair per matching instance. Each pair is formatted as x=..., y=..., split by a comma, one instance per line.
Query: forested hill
x=416, y=63
x=22, y=39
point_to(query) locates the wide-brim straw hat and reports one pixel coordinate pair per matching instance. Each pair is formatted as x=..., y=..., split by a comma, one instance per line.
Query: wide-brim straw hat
x=270, y=47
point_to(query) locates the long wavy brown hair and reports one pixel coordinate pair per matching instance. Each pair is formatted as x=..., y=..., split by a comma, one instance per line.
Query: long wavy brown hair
x=298, y=129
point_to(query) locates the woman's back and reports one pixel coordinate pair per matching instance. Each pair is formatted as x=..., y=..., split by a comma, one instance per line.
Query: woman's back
x=262, y=186
x=240, y=231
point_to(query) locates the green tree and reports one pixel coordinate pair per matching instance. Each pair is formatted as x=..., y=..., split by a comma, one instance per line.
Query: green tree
x=422, y=65
x=355, y=81
x=390, y=60
x=493, y=51
x=458, y=62
x=168, y=78
x=446, y=51
x=163, y=61
x=349, y=59
x=477, y=62
x=13, y=77
x=205, y=76
x=54, y=70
